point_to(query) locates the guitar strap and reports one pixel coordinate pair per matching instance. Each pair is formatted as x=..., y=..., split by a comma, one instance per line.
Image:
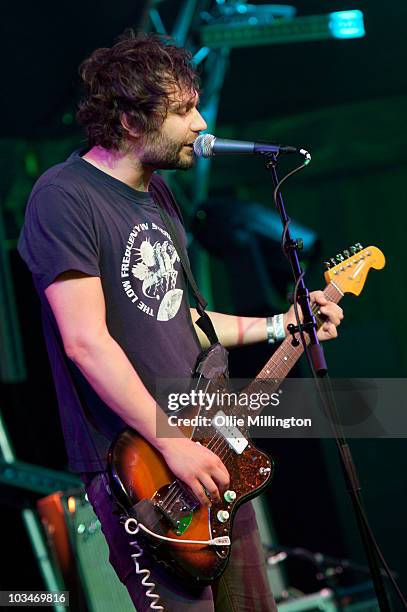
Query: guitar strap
x=204, y=322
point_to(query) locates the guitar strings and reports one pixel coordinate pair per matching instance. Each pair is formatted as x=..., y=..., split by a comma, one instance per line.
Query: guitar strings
x=216, y=442
x=170, y=495
x=279, y=371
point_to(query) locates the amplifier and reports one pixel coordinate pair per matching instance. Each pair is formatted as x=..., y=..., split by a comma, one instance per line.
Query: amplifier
x=81, y=553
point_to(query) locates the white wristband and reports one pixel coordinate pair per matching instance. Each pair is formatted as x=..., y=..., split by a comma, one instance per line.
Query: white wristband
x=275, y=328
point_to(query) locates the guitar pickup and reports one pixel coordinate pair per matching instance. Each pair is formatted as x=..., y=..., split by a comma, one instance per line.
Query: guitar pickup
x=233, y=436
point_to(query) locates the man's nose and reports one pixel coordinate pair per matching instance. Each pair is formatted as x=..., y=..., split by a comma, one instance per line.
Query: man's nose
x=198, y=124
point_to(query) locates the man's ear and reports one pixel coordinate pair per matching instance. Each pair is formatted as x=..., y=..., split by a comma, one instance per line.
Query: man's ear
x=126, y=126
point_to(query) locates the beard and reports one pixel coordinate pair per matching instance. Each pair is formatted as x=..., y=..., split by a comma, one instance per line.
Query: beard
x=162, y=153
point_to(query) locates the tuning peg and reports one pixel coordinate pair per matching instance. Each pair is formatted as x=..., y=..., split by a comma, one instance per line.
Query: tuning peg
x=333, y=261
x=346, y=253
x=353, y=250
x=339, y=257
x=358, y=246
x=327, y=264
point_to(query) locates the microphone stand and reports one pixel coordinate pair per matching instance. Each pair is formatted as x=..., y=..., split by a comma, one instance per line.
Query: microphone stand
x=320, y=372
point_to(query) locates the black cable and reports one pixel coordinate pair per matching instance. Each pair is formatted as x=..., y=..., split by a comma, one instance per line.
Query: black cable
x=284, y=249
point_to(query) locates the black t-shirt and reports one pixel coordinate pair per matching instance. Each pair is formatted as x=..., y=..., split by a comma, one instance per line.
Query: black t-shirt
x=80, y=218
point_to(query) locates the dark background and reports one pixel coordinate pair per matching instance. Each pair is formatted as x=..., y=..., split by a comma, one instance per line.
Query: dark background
x=343, y=100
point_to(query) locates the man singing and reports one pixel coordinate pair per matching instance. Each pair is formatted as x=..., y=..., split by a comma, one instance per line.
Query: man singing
x=114, y=301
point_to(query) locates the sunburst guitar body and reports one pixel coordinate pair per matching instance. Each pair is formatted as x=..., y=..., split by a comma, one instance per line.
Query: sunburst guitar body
x=142, y=481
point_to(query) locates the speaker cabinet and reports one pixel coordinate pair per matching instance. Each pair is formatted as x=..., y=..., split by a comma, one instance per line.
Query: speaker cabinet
x=80, y=552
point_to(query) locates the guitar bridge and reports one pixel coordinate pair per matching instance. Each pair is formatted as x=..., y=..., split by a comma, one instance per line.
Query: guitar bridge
x=176, y=504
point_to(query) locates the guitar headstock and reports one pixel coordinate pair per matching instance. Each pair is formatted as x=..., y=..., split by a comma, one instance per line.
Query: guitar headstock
x=348, y=270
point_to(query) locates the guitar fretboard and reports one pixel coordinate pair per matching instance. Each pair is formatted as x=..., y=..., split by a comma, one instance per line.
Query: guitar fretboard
x=287, y=354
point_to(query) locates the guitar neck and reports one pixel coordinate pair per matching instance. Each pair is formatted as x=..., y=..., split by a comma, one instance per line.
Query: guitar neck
x=284, y=358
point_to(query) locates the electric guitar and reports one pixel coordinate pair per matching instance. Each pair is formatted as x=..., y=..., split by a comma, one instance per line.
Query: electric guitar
x=165, y=506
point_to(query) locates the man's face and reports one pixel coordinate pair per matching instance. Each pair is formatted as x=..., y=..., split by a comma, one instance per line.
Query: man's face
x=170, y=147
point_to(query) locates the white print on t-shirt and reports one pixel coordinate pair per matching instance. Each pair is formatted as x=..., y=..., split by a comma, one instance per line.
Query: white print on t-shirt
x=149, y=268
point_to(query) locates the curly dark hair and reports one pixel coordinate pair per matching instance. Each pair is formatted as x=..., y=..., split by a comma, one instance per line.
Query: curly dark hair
x=135, y=77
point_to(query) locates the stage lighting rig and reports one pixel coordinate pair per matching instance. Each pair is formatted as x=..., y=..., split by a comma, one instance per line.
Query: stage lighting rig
x=236, y=24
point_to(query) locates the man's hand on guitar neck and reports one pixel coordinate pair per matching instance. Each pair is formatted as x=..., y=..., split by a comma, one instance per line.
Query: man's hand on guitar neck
x=233, y=330
x=331, y=312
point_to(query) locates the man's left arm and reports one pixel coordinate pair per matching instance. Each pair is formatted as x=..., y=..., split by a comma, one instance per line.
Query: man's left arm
x=233, y=330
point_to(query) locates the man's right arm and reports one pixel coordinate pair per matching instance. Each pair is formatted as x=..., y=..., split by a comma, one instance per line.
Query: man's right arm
x=78, y=305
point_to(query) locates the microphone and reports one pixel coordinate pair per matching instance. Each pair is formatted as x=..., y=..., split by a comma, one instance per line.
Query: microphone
x=208, y=145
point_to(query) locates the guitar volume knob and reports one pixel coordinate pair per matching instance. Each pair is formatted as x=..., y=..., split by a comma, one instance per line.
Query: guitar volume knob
x=229, y=496
x=222, y=516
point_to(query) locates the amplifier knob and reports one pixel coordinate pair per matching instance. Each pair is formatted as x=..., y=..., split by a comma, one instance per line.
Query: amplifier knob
x=222, y=516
